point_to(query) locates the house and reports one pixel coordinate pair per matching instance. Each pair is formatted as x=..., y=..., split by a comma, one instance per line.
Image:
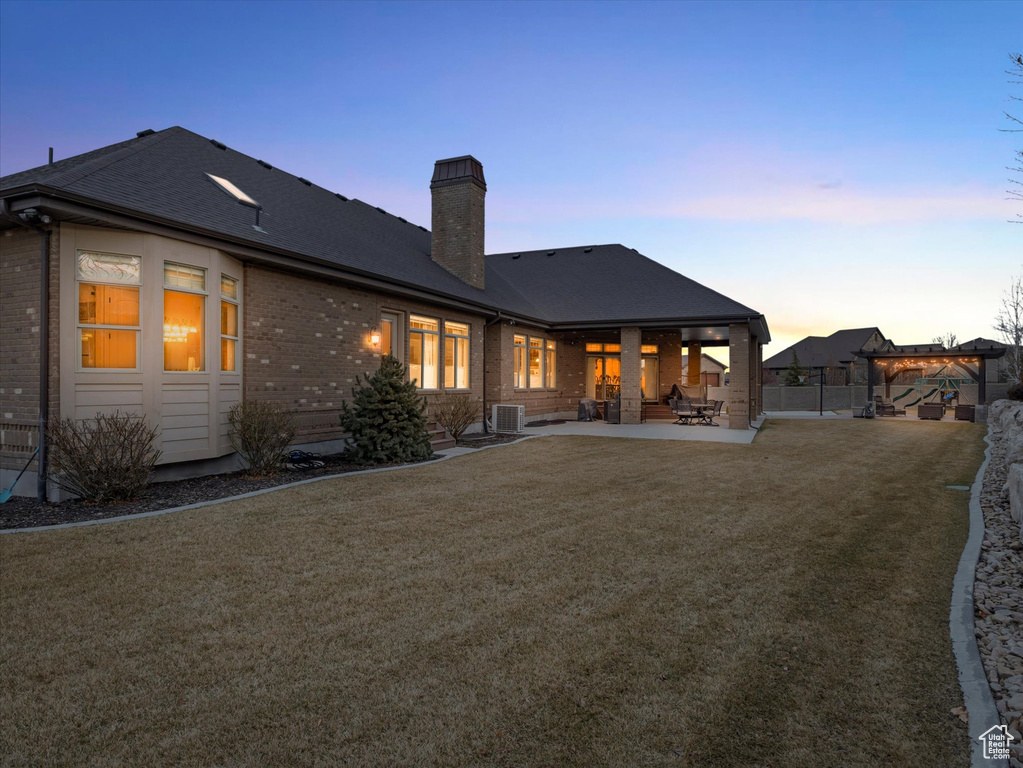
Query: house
x=712, y=372
x=835, y=353
x=172, y=276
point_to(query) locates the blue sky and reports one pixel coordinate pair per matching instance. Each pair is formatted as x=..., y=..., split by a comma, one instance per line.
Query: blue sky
x=829, y=164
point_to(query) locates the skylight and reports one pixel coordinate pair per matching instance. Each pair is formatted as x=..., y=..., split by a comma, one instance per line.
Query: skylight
x=233, y=191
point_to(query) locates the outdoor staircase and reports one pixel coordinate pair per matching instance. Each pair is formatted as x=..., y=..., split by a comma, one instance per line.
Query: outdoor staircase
x=440, y=438
x=657, y=411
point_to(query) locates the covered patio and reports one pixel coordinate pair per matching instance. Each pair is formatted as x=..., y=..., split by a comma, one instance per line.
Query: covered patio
x=641, y=364
x=885, y=366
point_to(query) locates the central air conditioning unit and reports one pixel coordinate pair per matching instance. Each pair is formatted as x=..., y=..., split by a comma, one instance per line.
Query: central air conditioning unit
x=509, y=418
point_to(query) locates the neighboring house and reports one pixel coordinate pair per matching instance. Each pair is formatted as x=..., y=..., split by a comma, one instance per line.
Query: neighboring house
x=835, y=353
x=712, y=372
x=183, y=277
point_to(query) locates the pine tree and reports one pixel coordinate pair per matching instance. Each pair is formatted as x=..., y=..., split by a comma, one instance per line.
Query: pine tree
x=386, y=421
x=795, y=372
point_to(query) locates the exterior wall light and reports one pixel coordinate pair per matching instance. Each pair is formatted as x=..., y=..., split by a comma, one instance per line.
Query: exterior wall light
x=374, y=336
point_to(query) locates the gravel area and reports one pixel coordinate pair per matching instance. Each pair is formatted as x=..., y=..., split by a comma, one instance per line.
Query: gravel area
x=24, y=512
x=998, y=597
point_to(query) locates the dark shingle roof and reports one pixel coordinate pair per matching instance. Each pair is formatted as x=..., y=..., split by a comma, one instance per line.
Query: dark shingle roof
x=820, y=351
x=608, y=282
x=163, y=176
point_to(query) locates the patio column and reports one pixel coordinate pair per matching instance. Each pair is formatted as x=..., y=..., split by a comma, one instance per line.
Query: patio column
x=632, y=397
x=739, y=378
x=754, y=399
x=695, y=353
x=870, y=379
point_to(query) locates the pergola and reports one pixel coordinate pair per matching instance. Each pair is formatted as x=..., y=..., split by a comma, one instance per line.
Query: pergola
x=973, y=361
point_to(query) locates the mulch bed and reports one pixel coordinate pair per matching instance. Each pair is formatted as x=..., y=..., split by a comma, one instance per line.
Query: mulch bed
x=24, y=512
x=481, y=441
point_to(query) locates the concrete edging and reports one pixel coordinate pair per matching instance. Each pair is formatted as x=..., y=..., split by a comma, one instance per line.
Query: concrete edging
x=453, y=453
x=977, y=698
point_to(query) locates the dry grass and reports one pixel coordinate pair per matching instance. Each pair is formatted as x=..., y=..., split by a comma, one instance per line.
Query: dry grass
x=573, y=601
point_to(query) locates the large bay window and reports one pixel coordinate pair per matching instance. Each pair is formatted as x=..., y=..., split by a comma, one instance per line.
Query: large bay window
x=184, y=302
x=424, y=350
x=228, y=324
x=456, y=355
x=108, y=310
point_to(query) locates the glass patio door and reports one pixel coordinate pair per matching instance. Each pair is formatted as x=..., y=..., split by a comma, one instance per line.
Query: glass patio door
x=603, y=376
x=648, y=378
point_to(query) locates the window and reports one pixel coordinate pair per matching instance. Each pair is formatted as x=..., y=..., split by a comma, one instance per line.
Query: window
x=456, y=355
x=535, y=363
x=648, y=349
x=228, y=324
x=520, y=361
x=591, y=347
x=108, y=310
x=423, y=350
x=184, y=304
x=391, y=337
x=550, y=365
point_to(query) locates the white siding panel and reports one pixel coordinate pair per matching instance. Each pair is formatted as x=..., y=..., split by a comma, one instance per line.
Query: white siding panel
x=185, y=422
x=91, y=399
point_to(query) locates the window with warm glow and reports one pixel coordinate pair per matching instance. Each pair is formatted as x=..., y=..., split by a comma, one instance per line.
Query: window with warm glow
x=424, y=350
x=612, y=347
x=648, y=349
x=183, y=314
x=228, y=324
x=456, y=356
x=520, y=361
x=535, y=363
x=591, y=347
x=108, y=310
x=550, y=364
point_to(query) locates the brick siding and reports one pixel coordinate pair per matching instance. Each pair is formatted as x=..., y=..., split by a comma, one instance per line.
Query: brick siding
x=19, y=342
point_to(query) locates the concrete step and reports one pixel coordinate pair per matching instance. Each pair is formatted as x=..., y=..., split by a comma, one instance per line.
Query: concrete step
x=443, y=444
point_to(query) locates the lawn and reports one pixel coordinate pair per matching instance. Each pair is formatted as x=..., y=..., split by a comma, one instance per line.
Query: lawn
x=578, y=601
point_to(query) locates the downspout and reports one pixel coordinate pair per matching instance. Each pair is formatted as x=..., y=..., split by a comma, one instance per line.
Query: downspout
x=27, y=220
x=497, y=319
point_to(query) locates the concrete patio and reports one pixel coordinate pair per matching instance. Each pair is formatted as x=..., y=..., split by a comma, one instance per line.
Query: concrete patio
x=652, y=430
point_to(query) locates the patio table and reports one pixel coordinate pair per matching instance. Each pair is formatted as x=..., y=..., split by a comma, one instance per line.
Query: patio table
x=705, y=411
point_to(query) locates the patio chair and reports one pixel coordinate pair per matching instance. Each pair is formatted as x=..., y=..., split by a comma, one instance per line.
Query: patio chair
x=682, y=410
x=709, y=417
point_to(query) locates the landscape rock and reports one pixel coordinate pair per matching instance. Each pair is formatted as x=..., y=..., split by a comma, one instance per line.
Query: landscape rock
x=998, y=585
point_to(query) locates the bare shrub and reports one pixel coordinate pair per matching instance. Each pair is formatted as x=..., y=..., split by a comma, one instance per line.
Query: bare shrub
x=261, y=432
x=456, y=413
x=109, y=458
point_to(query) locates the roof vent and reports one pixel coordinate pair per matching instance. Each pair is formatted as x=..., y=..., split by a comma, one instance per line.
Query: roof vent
x=265, y=164
x=305, y=181
x=233, y=191
x=217, y=144
x=381, y=209
x=517, y=256
x=147, y=132
x=339, y=196
x=551, y=253
x=422, y=227
x=587, y=250
x=404, y=221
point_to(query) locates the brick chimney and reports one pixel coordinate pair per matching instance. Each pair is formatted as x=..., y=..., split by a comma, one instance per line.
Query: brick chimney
x=458, y=190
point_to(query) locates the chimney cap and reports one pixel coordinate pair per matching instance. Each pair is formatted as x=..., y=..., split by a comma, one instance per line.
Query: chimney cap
x=455, y=170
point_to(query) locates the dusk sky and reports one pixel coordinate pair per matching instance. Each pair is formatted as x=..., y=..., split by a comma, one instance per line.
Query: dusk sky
x=831, y=165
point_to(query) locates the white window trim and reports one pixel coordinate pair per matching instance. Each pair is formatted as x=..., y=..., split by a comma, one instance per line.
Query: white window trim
x=468, y=373
x=206, y=369
x=79, y=368
x=422, y=350
x=238, y=322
